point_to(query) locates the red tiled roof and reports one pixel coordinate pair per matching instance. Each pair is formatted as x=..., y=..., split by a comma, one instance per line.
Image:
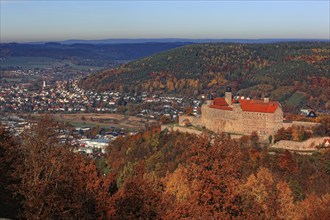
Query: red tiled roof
x=247, y=105
x=258, y=106
x=220, y=102
x=221, y=107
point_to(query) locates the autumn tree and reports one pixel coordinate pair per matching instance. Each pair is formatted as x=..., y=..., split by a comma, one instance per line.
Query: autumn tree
x=165, y=120
x=287, y=162
x=99, y=190
x=284, y=134
x=313, y=173
x=188, y=110
x=9, y=155
x=324, y=128
x=95, y=131
x=314, y=207
x=265, y=198
x=50, y=182
x=208, y=182
x=295, y=133
x=254, y=138
x=177, y=184
x=140, y=197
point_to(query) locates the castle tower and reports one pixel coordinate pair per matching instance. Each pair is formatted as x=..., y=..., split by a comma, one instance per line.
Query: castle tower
x=209, y=101
x=228, y=95
x=236, y=106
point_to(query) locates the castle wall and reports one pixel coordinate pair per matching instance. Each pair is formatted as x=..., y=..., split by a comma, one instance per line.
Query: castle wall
x=191, y=119
x=306, y=125
x=276, y=121
x=309, y=145
x=221, y=120
x=239, y=122
x=262, y=123
x=255, y=121
x=236, y=121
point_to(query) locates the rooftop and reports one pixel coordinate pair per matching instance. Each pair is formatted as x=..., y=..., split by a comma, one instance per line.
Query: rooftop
x=247, y=105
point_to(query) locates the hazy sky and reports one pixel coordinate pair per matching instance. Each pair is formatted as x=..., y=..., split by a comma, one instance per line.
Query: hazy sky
x=49, y=20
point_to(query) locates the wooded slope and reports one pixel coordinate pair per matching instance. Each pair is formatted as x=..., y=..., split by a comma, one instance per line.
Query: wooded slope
x=294, y=73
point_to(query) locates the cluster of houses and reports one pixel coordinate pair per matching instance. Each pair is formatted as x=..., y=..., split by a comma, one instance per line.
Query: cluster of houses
x=97, y=145
x=93, y=146
x=66, y=97
x=16, y=125
x=17, y=74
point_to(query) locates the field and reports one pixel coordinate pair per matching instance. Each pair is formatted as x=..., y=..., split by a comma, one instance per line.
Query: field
x=103, y=120
x=297, y=98
x=40, y=62
x=12, y=79
x=29, y=62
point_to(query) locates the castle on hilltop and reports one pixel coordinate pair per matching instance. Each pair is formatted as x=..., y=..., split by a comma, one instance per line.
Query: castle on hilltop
x=238, y=116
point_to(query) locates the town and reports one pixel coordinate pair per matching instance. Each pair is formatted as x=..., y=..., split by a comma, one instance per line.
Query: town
x=66, y=96
x=99, y=114
x=99, y=117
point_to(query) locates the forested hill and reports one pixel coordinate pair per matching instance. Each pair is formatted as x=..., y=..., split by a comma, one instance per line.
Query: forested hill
x=294, y=73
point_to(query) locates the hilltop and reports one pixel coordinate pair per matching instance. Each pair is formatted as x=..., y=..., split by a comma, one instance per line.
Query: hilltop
x=297, y=74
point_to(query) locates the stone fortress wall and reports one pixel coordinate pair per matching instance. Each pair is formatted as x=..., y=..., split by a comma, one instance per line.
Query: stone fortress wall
x=221, y=120
x=239, y=117
x=307, y=145
x=233, y=119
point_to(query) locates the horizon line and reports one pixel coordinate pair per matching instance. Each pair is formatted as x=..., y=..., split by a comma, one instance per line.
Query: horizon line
x=154, y=40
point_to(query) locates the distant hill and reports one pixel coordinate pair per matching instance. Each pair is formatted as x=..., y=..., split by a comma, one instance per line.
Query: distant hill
x=297, y=74
x=189, y=40
x=86, y=54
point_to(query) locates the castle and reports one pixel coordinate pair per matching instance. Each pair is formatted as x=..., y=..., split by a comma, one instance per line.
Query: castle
x=238, y=116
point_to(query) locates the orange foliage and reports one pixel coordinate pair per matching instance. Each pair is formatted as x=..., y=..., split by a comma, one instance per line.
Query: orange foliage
x=165, y=175
x=314, y=207
x=265, y=198
x=286, y=162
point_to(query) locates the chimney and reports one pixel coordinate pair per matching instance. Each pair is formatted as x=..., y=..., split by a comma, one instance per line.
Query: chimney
x=228, y=95
x=266, y=100
x=209, y=102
